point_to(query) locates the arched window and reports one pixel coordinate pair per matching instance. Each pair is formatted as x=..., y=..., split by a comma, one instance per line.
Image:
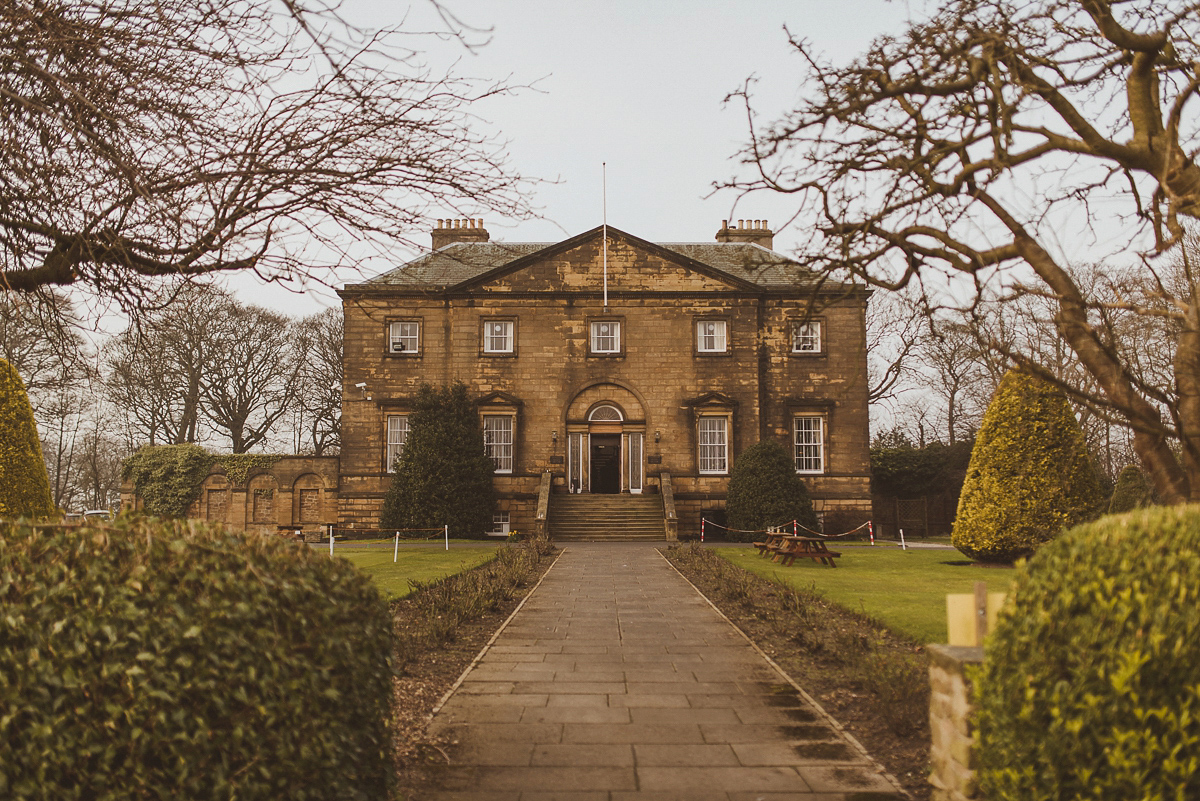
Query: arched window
x=605, y=414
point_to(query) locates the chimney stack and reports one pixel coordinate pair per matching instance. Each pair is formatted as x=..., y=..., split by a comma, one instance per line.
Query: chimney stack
x=468, y=230
x=754, y=231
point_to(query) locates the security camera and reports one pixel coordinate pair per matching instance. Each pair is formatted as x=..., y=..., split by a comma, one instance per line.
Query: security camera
x=361, y=385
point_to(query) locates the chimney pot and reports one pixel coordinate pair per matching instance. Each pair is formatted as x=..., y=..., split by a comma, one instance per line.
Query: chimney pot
x=755, y=232
x=461, y=229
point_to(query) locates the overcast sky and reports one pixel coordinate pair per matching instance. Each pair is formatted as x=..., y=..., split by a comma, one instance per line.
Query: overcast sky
x=638, y=84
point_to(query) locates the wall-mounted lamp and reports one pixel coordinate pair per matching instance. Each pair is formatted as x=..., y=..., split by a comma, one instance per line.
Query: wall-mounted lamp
x=657, y=435
x=554, y=437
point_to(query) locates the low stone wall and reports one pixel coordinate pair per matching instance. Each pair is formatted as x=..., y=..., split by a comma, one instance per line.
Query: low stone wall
x=953, y=774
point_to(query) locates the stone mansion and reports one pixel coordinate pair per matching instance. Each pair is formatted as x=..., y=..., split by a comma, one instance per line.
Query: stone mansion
x=608, y=365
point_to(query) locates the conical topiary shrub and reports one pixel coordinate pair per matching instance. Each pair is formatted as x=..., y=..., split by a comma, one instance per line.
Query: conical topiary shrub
x=24, y=485
x=444, y=476
x=1131, y=492
x=1030, y=474
x=764, y=490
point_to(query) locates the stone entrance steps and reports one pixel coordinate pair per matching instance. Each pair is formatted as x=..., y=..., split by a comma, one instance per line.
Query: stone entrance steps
x=606, y=517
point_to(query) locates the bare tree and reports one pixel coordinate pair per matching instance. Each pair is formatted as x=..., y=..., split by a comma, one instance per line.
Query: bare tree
x=894, y=325
x=964, y=145
x=154, y=369
x=62, y=418
x=178, y=138
x=98, y=459
x=251, y=373
x=954, y=369
x=319, y=389
x=39, y=336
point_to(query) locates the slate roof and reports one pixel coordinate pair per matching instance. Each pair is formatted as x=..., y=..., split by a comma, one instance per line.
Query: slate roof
x=461, y=261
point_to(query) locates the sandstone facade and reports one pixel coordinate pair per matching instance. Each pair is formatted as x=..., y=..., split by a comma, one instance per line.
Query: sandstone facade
x=607, y=360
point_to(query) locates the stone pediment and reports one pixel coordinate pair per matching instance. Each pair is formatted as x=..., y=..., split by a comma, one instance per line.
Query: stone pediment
x=499, y=399
x=711, y=400
x=635, y=266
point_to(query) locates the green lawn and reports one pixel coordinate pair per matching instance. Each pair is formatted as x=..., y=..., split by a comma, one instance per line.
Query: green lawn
x=904, y=589
x=421, y=564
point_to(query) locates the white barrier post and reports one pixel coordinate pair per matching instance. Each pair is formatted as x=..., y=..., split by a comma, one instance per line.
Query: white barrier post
x=903, y=547
x=447, y=529
x=396, y=550
x=331, y=541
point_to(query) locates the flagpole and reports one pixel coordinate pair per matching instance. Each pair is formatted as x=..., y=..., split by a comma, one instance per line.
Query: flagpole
x=604, y=212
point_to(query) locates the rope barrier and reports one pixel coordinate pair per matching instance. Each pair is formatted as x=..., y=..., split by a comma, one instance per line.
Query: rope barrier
x=795, y=526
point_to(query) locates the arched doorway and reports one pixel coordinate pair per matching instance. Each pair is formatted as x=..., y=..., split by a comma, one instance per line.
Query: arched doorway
x=604, y=449
x=606, y=425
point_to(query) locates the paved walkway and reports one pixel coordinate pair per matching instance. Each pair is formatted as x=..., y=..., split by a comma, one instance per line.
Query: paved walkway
x=618, y=681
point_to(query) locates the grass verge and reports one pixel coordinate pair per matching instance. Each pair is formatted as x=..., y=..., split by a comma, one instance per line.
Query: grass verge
x=905, y=590
x=415, y=566
x=872, y=680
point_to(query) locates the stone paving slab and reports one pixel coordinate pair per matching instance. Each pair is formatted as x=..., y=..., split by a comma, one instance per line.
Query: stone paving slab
x=617, y=681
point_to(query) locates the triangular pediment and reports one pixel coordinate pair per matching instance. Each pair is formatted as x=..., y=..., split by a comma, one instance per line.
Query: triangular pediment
x=711, y=400
x=633, y=266
x=499, y=399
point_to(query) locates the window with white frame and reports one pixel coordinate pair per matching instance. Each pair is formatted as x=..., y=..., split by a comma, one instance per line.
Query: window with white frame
x=809, y=439
x=498, y=441
x=404, y=337
x=606, y=336
x=397, y=435
x=806, y=337
x=714, y=444
x=498, y=336
x=711, y=336
x=500, y=525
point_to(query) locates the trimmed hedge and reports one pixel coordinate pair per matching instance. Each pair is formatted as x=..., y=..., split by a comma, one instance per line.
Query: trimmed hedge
x=149, y=660
x=1091, y=685
x=764, y=490
x=24, y=485
x=1030, y=474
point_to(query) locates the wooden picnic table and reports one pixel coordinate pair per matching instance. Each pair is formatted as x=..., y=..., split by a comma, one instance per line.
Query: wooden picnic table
x=814, y=548
x=771, y=544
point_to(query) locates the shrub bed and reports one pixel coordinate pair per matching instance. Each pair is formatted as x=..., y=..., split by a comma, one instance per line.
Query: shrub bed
x=153, y=659
x=1091, y=684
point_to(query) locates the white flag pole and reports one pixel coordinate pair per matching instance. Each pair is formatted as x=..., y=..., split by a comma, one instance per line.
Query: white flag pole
x=604, y=218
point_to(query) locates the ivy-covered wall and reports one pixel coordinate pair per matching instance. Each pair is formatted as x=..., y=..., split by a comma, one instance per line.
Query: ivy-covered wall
x=256, y=492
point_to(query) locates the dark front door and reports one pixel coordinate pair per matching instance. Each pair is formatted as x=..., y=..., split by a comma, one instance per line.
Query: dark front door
x=606, y=463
